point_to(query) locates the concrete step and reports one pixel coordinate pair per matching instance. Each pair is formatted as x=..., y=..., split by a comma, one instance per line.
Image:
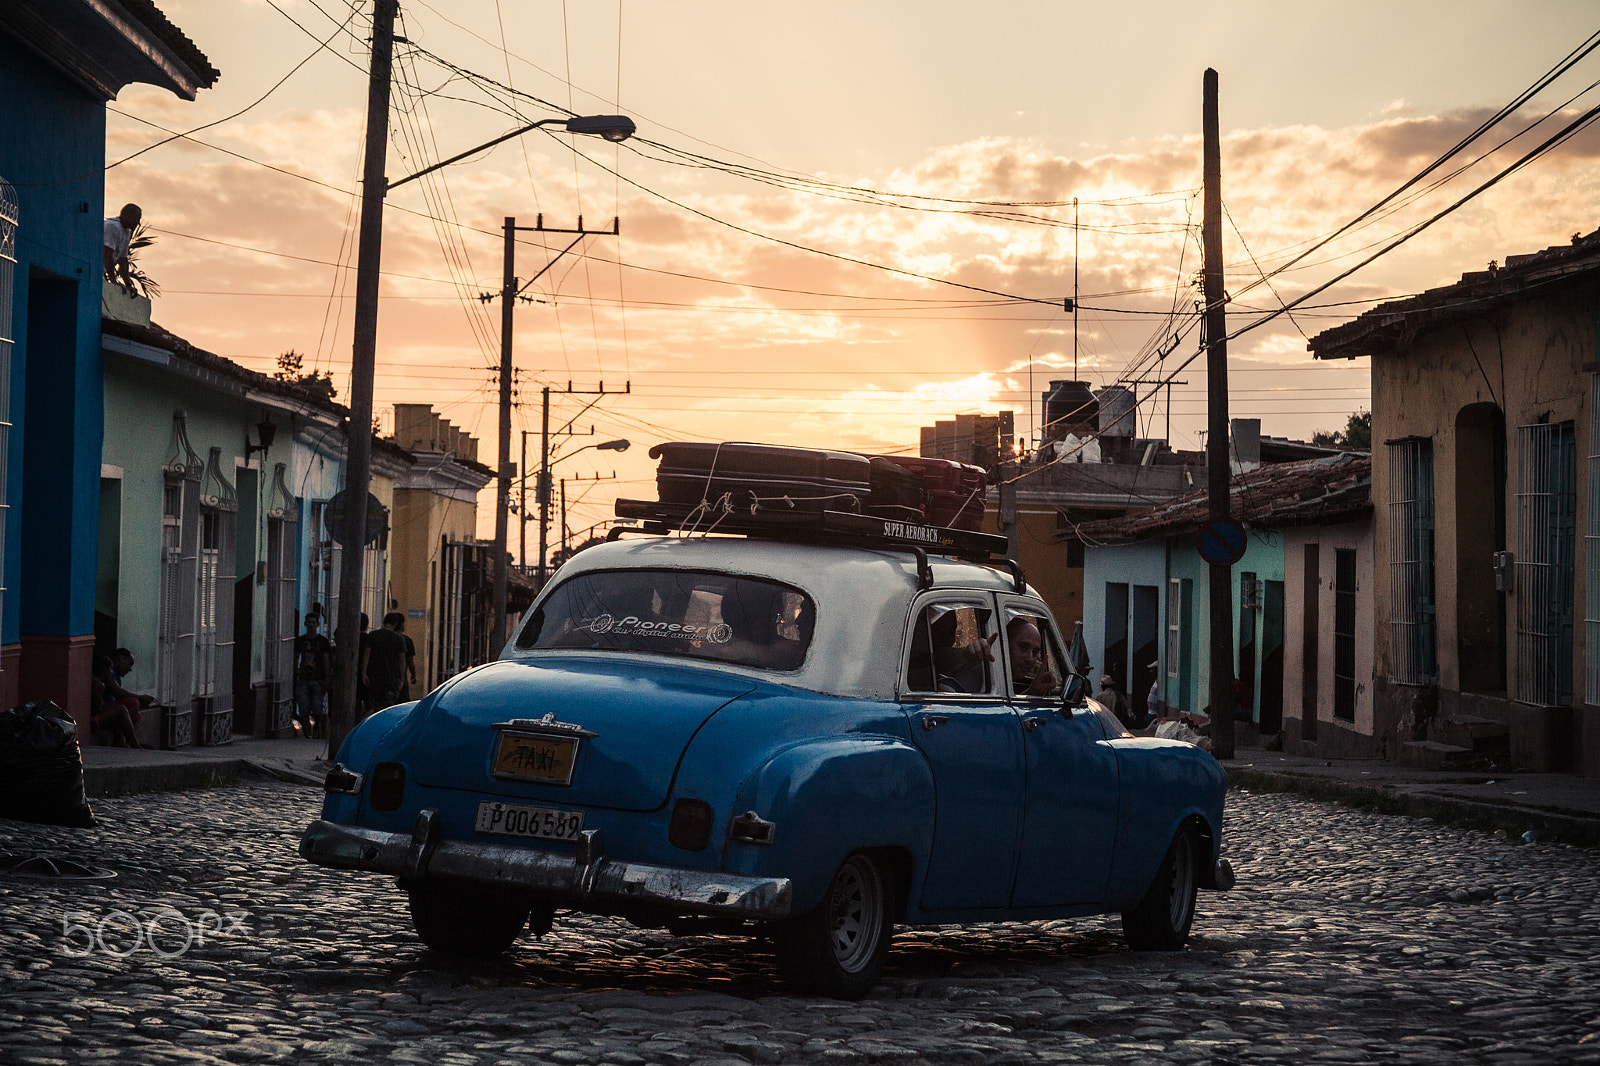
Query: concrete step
x=1434, y=755
x=1471, y=731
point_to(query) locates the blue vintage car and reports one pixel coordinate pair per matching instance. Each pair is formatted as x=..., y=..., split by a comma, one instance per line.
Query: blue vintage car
x=809, y=742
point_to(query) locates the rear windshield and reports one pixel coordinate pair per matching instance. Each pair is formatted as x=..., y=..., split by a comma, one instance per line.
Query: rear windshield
x=680, y=613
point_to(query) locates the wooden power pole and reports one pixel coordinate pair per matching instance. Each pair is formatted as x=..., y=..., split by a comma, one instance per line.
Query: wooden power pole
x=358, y=455
x=1217, y=467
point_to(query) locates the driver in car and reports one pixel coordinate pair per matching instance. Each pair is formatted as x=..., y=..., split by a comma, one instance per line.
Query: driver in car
x=1029, y=675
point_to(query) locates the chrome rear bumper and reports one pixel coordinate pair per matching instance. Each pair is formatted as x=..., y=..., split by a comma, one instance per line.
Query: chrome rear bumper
x=587, y=878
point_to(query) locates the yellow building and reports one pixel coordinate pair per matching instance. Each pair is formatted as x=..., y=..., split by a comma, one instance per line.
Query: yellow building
x=437, y=566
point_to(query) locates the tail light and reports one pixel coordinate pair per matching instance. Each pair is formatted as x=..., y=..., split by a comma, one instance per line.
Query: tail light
x=388, y=786
x=690, y=828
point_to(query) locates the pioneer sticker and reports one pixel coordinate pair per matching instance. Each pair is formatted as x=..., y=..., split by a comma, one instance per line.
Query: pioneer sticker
x=634, y=626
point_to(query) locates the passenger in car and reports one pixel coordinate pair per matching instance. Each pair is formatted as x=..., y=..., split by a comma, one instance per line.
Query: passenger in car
x=961, y=667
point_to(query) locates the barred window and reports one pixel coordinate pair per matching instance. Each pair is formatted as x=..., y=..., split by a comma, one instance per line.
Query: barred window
x=1591, y=555
x=9, y=216
x=1546, y=543
x=1412, y=617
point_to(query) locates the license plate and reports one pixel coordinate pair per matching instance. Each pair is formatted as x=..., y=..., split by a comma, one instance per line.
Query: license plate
x=528, y=757
x=540, y=823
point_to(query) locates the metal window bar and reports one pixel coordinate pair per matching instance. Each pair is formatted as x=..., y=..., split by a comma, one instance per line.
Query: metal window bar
x=1546, y=543
x=10, y=216
x=1344, y=634
x=1174, y=625
x=1412, y=616
x=205, y=643
x=1591, y=555
x=170, y=629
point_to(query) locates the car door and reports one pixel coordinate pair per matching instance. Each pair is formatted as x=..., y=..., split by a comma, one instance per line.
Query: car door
x=1071, y=789
x=972, y=739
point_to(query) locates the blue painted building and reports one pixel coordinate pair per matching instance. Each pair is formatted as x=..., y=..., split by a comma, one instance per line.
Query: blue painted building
x=60, y=62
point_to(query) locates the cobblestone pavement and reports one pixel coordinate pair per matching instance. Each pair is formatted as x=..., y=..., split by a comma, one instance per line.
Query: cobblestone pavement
x=1352, y=938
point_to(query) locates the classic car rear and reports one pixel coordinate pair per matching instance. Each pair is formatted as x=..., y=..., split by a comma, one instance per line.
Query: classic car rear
x=739, y=733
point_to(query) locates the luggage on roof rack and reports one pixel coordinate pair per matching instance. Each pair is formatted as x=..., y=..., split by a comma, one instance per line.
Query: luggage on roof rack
x=809, y=526
x=956, y=492
x=752, y=476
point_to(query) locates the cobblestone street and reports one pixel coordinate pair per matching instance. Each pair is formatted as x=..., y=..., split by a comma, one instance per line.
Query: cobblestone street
x=1351, y=938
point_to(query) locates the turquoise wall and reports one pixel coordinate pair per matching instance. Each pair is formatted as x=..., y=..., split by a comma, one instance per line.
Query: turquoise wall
x=1264, y=558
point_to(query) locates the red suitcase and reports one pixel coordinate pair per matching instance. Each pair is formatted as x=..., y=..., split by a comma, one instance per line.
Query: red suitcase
x=765, y=475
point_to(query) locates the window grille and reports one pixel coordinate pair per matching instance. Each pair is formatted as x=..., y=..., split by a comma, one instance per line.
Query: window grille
x=1344, y=634
x=9, y=217
x=1174, y=625
x=1546, y=543
x=1412, y=617
x=279, y=627
x=1591, y=555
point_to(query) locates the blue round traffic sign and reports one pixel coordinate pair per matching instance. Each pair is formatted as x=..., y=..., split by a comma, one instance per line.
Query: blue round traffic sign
x=1222, y=542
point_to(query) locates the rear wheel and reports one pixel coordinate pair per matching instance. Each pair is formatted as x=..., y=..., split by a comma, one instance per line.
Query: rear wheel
x=839, y=949
x=1162, y=919
x=466, y=922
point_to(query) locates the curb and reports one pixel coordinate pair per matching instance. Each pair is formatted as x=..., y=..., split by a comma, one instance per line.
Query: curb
x=1417, y=801
x=100, y=782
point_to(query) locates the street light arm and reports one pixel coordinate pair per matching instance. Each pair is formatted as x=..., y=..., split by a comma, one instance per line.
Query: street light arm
x=611, y=127
x=472, y=151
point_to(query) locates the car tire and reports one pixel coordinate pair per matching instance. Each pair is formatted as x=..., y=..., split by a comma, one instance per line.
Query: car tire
x=839, y=949
x=467, y=923
x=1162, y=919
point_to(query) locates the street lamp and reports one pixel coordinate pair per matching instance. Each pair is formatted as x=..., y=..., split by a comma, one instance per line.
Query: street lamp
x=358, y=469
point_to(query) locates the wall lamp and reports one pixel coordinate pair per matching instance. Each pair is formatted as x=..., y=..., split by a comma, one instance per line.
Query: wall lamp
x=267, y=432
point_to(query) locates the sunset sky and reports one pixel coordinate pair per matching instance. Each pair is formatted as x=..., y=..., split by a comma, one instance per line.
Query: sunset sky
x=839, y=221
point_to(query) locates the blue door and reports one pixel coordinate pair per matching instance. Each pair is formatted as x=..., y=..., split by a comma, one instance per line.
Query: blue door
x=972, y=739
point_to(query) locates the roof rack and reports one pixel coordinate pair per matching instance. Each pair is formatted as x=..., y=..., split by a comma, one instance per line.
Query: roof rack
x=810, y=527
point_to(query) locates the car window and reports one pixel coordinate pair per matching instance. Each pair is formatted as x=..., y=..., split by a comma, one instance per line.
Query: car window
x=944, y=655
x=1032, y=655
x=678, y=613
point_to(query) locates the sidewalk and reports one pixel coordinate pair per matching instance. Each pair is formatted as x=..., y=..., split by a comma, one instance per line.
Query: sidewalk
x=1561, y=807
x=109, y=771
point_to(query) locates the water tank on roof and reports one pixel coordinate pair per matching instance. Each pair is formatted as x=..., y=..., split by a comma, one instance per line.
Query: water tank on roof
x=1117, y=418
x=1068, y=403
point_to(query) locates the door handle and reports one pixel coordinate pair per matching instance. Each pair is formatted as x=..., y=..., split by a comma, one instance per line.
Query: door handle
x=934, y=721
x=1030, y=724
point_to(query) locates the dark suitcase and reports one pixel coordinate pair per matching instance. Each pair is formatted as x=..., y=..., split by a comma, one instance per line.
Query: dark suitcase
x=955, y=491
x=894, y=485
x=798, y=479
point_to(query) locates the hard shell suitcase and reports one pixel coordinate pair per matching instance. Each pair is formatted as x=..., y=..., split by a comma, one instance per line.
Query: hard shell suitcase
x=762, y=475
x=955, y=491
x=894, y=485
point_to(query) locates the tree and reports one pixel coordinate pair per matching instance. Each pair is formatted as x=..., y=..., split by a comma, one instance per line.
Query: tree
x=1358, y=431
x=291, y=368
x=1357, y=434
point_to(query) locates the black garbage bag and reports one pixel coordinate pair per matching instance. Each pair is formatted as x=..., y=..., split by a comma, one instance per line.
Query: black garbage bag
x=41, y=768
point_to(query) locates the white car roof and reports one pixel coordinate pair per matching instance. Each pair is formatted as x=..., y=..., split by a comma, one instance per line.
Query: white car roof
x=862, y=595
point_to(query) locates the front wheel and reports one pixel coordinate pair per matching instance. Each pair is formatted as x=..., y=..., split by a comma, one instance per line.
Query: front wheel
x=840, y=948
x=1162, y=919
x=467, y=923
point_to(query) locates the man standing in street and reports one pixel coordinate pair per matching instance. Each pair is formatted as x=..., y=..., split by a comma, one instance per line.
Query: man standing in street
x=383, y=662
x=116, y=245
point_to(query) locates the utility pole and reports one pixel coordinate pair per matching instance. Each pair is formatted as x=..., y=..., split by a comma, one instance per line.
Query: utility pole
x=1217, y=467
x=543, y=483
x=358, y=445
x=509, y=292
